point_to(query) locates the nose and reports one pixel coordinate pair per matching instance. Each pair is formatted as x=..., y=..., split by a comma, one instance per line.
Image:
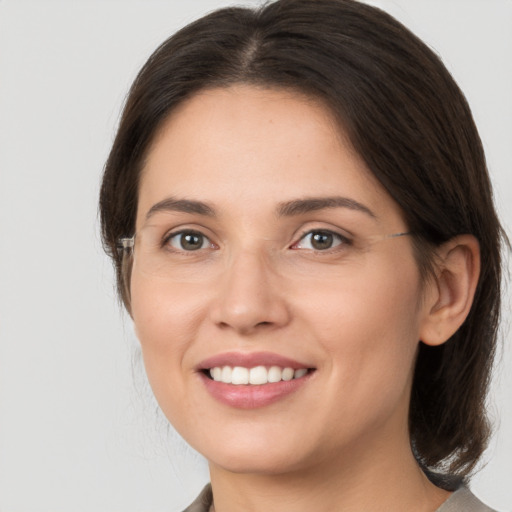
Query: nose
x=249, y=298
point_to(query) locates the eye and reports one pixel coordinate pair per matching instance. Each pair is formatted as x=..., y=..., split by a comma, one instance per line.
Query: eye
x=188, y=241
x=320, y=240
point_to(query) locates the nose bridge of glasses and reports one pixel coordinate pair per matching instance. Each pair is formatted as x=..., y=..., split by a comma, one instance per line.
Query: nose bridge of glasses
x=257, y=257
x=253, y=272
x=248, y=292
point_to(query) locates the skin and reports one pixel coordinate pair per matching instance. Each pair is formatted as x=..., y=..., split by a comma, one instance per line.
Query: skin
x=355, y=313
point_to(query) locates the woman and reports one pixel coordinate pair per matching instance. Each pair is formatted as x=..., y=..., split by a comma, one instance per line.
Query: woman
x=299, y=212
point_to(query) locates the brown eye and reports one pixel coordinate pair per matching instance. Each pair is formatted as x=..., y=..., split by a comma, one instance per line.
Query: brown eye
x=320, y=241
x=188, y=241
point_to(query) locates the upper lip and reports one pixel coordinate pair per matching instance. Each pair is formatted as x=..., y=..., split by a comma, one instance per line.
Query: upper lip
x=250, y=360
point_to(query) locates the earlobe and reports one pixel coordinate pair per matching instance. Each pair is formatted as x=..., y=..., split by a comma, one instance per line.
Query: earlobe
x=451, y=290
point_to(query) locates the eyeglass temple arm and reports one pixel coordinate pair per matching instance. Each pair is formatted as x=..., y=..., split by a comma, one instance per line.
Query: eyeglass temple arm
x=126, y=243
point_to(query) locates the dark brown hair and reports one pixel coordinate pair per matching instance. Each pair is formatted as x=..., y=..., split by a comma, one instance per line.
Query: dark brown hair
x=409, y=121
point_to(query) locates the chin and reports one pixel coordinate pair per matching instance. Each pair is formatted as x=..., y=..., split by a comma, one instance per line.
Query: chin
x=264, y=454
x=255, y=463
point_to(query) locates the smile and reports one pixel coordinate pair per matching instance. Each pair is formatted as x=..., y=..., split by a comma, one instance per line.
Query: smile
x=257, y=376
x=253, y=380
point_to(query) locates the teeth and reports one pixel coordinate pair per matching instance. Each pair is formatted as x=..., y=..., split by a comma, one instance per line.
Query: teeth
x=216, y=373
x=274, y=374
x=225, y=376
x=257, y=376
x=240, y=375
x=288, y=374
x=300, y=373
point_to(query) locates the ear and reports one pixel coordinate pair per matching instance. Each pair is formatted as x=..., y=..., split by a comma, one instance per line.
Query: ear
x=449, y=294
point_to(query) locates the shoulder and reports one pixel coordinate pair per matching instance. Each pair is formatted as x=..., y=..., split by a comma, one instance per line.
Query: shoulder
x=463, y=500
x=203, y=502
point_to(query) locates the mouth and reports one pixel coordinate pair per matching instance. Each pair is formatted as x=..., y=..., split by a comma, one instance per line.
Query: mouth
x=253, y=380
x=255, y=376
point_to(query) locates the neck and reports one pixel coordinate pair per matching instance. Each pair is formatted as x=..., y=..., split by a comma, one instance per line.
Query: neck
x=385, y=477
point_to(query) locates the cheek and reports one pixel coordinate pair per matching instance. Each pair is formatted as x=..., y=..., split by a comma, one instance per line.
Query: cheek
x=164, y=313
x=378, y=298
x=166, y=318
x=369, y=327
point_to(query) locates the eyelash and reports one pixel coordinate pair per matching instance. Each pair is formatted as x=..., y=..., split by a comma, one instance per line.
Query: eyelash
x=343, y=240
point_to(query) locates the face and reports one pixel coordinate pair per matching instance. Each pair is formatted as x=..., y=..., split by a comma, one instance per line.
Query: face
x=260, y=244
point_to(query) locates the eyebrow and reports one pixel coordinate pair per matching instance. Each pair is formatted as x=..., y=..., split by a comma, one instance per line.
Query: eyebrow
x=181, y=205
x=285, y=209
x=311, y=204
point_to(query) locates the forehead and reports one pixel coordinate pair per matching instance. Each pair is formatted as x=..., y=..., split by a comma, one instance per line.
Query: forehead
x=248, y=148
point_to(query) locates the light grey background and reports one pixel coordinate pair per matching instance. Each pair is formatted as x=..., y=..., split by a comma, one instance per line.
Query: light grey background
x=78, y=428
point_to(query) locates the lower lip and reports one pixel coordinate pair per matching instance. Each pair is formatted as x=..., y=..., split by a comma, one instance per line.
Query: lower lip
x=246, y=396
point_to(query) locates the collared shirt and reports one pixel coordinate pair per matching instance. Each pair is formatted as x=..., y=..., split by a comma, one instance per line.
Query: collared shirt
x=462, y=500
